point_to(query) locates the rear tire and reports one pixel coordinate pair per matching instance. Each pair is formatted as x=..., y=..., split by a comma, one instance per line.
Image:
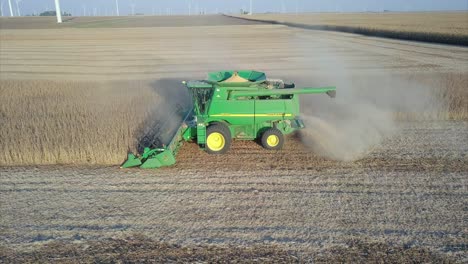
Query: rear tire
x=272, y=139
x=218, y=139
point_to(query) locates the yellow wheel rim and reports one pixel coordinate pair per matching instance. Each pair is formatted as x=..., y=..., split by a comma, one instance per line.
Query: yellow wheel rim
x=273, y=140
x=216, y=141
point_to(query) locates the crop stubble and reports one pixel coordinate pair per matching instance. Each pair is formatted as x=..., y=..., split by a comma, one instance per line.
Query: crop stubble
x=398, y=195
x=438, y=27
x=410, y=190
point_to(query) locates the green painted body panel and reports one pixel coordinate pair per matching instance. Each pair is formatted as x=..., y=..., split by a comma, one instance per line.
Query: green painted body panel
x=248, y=106
x=163, y=158
x=151, y=163
x=246, y=101
x=259, y=92
x=132, y=161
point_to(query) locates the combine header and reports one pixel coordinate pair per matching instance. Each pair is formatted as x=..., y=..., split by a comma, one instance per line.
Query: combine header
x=242, y=105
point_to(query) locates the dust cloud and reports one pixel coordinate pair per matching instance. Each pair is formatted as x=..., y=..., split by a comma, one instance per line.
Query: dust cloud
x=366, y=107
x=163, y=118
x=345, y=128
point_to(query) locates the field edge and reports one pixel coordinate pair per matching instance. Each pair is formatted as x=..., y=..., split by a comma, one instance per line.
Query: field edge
x=137, y=248
x=438, y=38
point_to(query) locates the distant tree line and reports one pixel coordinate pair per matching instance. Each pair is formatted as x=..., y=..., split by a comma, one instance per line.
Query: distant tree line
x=53, y=13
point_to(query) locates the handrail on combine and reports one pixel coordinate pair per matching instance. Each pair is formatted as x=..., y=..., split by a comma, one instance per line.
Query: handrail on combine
x=331, y=91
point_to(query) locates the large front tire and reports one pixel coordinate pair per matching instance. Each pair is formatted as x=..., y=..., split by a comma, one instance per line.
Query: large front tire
x=272, y=139
x=218, y=139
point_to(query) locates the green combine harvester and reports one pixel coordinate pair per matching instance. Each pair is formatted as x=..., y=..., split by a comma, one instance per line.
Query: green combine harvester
x=241, y=105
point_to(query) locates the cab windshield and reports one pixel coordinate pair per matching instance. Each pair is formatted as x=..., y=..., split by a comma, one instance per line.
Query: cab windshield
x=201, y=99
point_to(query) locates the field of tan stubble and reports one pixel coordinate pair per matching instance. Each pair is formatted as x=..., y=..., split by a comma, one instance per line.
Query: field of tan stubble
x=431, y=23
x=99, y=115
x=290, y=198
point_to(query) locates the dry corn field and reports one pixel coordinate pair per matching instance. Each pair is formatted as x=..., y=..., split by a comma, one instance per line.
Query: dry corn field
x=379, y=174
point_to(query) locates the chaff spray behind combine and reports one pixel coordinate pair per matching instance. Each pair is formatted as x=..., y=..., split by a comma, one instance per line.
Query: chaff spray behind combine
x=241, y=105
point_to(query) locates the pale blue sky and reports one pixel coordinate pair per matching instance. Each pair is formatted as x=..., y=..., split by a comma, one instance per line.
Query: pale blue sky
x=77, y=7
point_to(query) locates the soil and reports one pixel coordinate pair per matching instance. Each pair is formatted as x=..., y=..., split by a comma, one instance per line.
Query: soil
x=408, y=194
x=411, y=191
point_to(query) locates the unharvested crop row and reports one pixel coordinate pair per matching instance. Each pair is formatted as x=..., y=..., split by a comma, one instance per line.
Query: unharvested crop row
x=47, y=122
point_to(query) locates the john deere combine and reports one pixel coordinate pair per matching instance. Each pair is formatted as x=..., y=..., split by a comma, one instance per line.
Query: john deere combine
x=241, y=105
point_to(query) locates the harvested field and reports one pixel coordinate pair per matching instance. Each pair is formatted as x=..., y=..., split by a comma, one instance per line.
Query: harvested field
x=118, y=22
x=439, y=27
x=410, y=192
x=143, y=250
x=74, y=99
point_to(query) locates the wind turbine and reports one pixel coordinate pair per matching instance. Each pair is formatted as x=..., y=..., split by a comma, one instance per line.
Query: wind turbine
x=250, y=10
x=117, y=7
x=1, y=8
x=17, y=7
x=11, y=9
x=132, y=5
x=58, y=11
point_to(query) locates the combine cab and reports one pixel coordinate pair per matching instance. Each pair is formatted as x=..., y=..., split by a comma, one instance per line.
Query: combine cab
x=242, y=105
